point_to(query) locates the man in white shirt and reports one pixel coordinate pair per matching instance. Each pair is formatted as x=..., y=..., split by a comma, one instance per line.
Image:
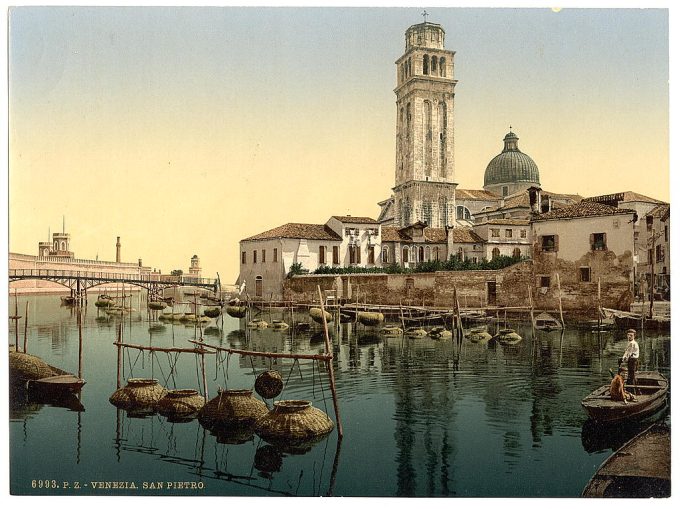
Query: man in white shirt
x=631, y=356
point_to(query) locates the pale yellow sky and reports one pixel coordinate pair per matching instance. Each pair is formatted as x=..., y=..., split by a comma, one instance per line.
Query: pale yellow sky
x=184, y=130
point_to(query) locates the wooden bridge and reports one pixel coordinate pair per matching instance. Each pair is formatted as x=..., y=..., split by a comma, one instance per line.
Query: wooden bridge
x=80, y=281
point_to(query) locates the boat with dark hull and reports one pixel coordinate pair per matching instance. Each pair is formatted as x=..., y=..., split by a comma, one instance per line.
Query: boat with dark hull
x=652, y=388
x=641, y=468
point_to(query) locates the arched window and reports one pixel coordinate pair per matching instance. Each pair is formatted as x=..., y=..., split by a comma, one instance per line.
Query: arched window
x=435, y=250
x=495, y=253
x=56, y=245
x=460, y=254
x=434, y=65
x=63, y=245
x=516, y=253
x=442, y=66
x=409, y=69
x=46, y=252
x=462, y=212
x=427, y=254
x=404, y=255
x=421, y=254
x=385, y=255
x=426, y=64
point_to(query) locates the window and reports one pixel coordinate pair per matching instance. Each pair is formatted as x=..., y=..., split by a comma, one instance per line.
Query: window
x=508, y=233
x=650, y=223
x=354, y=255
x=433, y=65
x=598, y=241
x=615, y=223
x=516, y=253
x=276, y=255
x=258, y=286
x=264, y=255
x=462, y=212
x=475, y=259
x=549, y=243
x=460, y=254
x=243, y=257
x=584, y=274
x=650, y=256
x=404, y=256
x=435, y=250
x=254, y=256
x=660, y=254
x=505, y=190
x=426, y=62
x=665, y=233
x=442, y=66
x=523, y=234
x=322, y=255
x=421, y=254
x=336, y=255
x=495, y=253
x=385, y=255
x=495, y=232
x=544, y=281
x=371, y=255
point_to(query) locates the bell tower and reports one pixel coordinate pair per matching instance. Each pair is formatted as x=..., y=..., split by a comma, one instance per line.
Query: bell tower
x=424, y=175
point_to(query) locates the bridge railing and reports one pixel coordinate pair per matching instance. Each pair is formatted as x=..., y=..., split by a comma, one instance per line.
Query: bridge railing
x=109, y=276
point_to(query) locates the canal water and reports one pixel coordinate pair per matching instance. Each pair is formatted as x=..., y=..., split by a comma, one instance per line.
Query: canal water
x=421, y=417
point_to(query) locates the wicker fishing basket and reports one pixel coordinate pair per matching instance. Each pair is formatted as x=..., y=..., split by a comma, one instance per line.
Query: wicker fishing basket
x=269, y=384
x=236, y=311
x=180, y=403
x=317, y=315
x=140, y=394
x=369, y=318
x=23, y=366
x=157, y=305
x=293, y=420
x=212, y=312
x=232, y=407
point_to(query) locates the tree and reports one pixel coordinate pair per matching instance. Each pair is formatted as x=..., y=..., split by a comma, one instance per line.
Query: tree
x=176, y=272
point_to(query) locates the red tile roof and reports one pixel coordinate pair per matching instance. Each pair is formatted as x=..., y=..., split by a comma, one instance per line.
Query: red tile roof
x=660, y=210
x=298, y=231
x=582, y=209
x=475, y=194
x=623, y=196
x=357, y=220
x=505, y=222
x=463, y=235
x=430, y=235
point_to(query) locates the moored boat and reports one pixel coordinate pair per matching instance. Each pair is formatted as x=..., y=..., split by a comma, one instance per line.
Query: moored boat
x=652, y=387
x=641, y=468
x=547, y=322
x=57, y=383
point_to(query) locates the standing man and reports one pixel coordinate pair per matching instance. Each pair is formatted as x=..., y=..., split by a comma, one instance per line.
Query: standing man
x=631, y=356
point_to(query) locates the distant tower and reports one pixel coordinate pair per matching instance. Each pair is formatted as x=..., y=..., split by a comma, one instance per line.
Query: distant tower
x=424, y=175
x=58, y=246
x=195, y=267
x=117, y=249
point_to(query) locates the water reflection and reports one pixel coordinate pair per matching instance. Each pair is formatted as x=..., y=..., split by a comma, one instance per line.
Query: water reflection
x=422, y=417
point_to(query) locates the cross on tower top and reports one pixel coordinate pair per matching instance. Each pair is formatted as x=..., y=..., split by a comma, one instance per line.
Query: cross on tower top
x=424, y=15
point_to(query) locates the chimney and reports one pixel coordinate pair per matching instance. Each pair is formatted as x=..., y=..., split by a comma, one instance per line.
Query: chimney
x=117, y=249
x=140, y=262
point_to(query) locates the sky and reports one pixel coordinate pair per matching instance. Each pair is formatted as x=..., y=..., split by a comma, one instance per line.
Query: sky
x=184, y=130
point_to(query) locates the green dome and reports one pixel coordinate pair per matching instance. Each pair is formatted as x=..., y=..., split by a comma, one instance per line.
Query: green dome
x=511, y=165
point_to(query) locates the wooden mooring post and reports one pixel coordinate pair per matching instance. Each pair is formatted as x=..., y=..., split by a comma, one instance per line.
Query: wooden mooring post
x=531, y=311
x=559, y=297
x=329, y=363
x=25, y=328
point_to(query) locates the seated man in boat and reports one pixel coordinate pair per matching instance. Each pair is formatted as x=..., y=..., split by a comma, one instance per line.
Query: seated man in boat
x=631, y=355
x=616, y=390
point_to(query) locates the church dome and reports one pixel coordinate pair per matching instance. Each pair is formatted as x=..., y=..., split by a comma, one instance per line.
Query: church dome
x=511, y=165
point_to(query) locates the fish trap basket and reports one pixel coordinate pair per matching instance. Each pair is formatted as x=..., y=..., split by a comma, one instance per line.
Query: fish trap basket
x=23, y=366
x=138, y=394
x=157, y=305
x=232, y=408
x=212, y=312
x=293, y=421
x=370, y=319
x=269, y=384
x=236, y=311
x=180, y=403
x=317, y=315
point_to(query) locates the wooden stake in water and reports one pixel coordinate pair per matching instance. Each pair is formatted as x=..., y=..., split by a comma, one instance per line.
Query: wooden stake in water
x=559, y=297
x=329, y=363
x=25, y=327
x=80, y=344
x=531, y=311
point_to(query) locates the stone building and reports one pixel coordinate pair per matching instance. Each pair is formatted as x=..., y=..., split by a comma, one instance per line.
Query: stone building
x=655, y=252
x=57, y=248
x=507, y=237
x=584, y=243
x=424, y=174
x=413, y=244
x=343, y=241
